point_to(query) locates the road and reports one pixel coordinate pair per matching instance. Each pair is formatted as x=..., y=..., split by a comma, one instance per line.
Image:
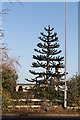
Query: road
x=40, y=118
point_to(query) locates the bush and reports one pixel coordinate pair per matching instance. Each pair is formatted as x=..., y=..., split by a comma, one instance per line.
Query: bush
x=19, y=95
x=6, y=100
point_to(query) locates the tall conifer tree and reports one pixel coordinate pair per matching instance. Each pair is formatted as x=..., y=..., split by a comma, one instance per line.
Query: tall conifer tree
x=48, y=57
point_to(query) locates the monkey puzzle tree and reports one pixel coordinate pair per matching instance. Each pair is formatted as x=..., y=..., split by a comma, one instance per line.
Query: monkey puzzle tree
x=48, y=59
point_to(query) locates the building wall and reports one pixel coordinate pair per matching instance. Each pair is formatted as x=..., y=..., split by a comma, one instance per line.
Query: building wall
x=25, y=87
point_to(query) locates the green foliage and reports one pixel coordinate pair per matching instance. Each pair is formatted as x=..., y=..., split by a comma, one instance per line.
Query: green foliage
x=8, y=87
x=6, y=100
x=9, y=80
x=19, y=95
x=74, y=91
x=43, y=92
x=49, y=60
x=9, y=77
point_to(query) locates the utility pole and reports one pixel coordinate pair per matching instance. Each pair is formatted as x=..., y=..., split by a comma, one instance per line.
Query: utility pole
x=65, y=91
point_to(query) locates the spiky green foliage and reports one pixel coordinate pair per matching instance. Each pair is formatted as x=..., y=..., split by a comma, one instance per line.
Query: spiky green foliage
x=48, y=58
x=47, y=62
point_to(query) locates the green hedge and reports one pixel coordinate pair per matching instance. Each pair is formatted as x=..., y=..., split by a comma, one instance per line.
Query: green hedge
x=19, y=95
